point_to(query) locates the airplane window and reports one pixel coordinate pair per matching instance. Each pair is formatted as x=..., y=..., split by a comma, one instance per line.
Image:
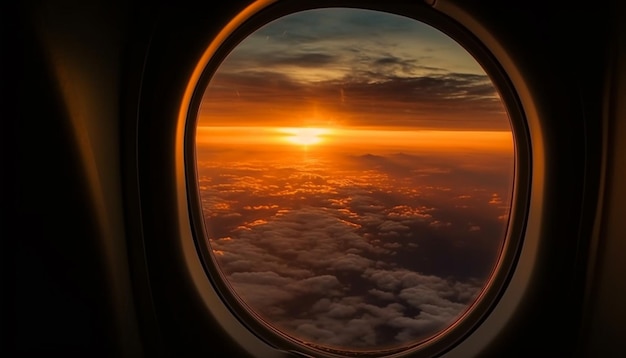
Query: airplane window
x=355, y=170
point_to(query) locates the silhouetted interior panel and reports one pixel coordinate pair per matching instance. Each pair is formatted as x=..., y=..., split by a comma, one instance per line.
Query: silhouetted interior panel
x=99, y=257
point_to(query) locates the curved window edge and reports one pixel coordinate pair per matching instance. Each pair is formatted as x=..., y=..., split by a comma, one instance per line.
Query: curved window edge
x=530, y=172
x=511, y=276
x=195, y=267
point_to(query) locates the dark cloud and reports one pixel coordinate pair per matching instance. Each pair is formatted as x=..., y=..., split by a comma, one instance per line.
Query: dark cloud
x=391, y=60
x=364, y=67
x=444, y=101
x=313, y=26
x=313, y=59
x=452, y=89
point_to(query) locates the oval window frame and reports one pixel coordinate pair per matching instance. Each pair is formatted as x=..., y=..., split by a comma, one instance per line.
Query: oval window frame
x=233, y=316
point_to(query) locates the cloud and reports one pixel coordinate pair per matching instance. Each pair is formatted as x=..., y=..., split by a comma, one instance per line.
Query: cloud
x=444, y=100
x=359, y=88
x=311, y=59
x=392, y=226
x=401, y=72
x=349, y=33
x=261, y=290
x=382, y=295
x=358, y=267
x=408, y=214
x=354, y=323
x=495, y=199
x=351, y=262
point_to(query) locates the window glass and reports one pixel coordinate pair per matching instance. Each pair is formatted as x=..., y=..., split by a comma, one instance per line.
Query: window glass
x=355, y=170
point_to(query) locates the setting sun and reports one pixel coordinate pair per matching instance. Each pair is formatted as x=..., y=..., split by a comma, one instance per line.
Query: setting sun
x=304, y=136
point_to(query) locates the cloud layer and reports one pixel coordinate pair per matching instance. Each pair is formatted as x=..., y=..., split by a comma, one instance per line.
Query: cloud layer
x=307, y=67
x=350, y=255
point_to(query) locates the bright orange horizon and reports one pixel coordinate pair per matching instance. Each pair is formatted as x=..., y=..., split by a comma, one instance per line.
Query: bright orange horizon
x=356, y=139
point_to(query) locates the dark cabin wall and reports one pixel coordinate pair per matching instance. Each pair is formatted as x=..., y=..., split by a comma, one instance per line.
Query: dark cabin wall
x=605, y=313
x=76, y=279
x=68, y=290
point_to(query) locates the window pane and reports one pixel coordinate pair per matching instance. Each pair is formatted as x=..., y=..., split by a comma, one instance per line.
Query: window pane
x=355, y=172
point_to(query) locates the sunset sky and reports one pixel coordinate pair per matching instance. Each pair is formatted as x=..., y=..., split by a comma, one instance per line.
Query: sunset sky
x=355, y=172
x=351, y=68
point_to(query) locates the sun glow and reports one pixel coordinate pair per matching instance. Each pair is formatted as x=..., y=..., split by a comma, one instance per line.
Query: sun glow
x=304, y=136
x=359, y=139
